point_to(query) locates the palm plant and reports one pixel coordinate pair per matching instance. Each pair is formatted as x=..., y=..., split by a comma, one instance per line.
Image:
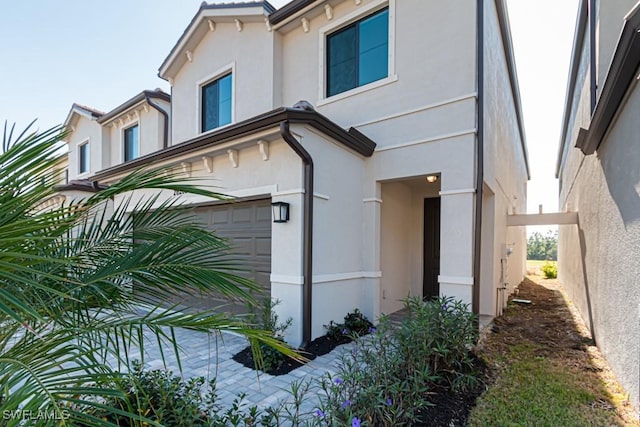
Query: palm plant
x=66, y=272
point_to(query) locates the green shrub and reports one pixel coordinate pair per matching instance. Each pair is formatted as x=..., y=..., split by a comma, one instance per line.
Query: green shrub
x=355, y=324
x=267, y=319
x=159, y=396
x=386, y=379
x=550, y=270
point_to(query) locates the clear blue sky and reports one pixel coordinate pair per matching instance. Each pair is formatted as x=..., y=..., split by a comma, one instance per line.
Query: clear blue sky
x=100, y=54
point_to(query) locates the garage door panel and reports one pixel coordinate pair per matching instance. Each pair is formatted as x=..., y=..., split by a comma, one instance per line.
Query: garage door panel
x=263, y=214
x=263, y=247
x=247, y=227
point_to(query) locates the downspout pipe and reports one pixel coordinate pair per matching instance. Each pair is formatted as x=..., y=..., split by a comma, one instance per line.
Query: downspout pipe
x=165, y=135
x=307, y=227
x=477, y=238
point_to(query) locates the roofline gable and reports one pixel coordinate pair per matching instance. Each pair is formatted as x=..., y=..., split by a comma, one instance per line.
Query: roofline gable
x=81, y=111
x=130, y=103
x=225, y=12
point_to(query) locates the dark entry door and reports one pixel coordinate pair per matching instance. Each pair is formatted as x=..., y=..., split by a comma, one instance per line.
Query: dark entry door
x=431, y=262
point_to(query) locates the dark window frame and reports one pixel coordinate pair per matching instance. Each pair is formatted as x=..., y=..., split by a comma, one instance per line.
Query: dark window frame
x=204, y=125
x=83, y=160
x=355, y=24
x=125, y=141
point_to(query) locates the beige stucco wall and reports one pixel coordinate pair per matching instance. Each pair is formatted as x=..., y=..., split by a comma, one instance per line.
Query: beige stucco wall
x=150, y=132
x=85, y=129
x=249, y=54
x=423, y=70
x=599, y=260
x=505, y=174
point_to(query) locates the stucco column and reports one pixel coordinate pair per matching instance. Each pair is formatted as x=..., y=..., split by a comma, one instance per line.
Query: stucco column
x=456, y=244
x=286, y=265
x=371, y=252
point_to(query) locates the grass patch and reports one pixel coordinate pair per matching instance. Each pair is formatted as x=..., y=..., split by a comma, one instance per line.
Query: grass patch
x=533, y=390
x=545, y=369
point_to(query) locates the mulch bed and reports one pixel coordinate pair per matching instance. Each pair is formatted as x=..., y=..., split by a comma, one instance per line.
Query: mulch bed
x=448, y=410
x=318, y=347
x=453, y=409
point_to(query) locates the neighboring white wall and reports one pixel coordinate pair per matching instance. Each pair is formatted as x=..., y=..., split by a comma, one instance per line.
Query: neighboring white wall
x=150, y=132
x=85, y=129
x=599, y=261
x=504, y=173
x=248, y=53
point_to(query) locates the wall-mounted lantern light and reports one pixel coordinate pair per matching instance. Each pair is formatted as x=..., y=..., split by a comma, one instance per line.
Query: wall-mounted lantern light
x=280, y=211
x=432, y=178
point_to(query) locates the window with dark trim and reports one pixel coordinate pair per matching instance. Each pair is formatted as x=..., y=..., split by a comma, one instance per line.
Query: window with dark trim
x=358, y=54
x=131, y=143
x=216, y=103
x=83, y=158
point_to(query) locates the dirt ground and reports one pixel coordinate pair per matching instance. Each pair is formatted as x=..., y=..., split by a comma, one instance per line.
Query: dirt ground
x=552, y=321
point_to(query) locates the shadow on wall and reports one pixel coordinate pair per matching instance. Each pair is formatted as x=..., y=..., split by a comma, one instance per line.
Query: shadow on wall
x=620, y=167
x=585, y=278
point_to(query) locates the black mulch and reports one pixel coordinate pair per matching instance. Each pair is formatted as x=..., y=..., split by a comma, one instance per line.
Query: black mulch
x=448, y=410
x=453, y=409
x=318, y=347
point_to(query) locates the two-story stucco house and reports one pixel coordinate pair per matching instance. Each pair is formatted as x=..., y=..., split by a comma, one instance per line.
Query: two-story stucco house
x=399, y=169
x=599, y=170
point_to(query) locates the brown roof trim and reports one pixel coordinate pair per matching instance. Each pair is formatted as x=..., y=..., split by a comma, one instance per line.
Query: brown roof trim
x=92, y=111
x=351, y=138
x=81, y=185
x=157, y=94
x=288, y=10
x=621, y=75
x=578, y=41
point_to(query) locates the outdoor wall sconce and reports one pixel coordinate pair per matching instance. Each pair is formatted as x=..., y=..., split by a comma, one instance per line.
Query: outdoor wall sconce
x=280, y=211
x=432, y=178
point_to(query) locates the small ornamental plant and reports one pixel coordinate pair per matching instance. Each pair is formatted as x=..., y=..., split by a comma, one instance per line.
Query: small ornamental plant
x=550, y=270
x=355, y=324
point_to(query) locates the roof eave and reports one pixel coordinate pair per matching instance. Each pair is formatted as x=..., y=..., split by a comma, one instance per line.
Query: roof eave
x=574, y=67
x=351, y=138
x=621, y=75
x=130, y=103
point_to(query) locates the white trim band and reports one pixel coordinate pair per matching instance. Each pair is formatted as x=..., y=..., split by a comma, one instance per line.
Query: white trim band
x=425, y=141
x=460, y=191
x=456, y=280
x=372, y=200
x=326, y=278
x=418, y=110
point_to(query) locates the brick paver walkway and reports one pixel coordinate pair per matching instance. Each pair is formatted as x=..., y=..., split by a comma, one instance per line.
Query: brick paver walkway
x=201, y=356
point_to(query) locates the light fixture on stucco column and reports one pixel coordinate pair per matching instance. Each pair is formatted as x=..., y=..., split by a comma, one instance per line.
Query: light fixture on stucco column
x=280, y=211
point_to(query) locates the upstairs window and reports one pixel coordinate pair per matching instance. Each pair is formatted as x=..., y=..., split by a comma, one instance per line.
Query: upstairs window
x=358, y=54
x=216, y=103
x=83, y=156
x=131, y=143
